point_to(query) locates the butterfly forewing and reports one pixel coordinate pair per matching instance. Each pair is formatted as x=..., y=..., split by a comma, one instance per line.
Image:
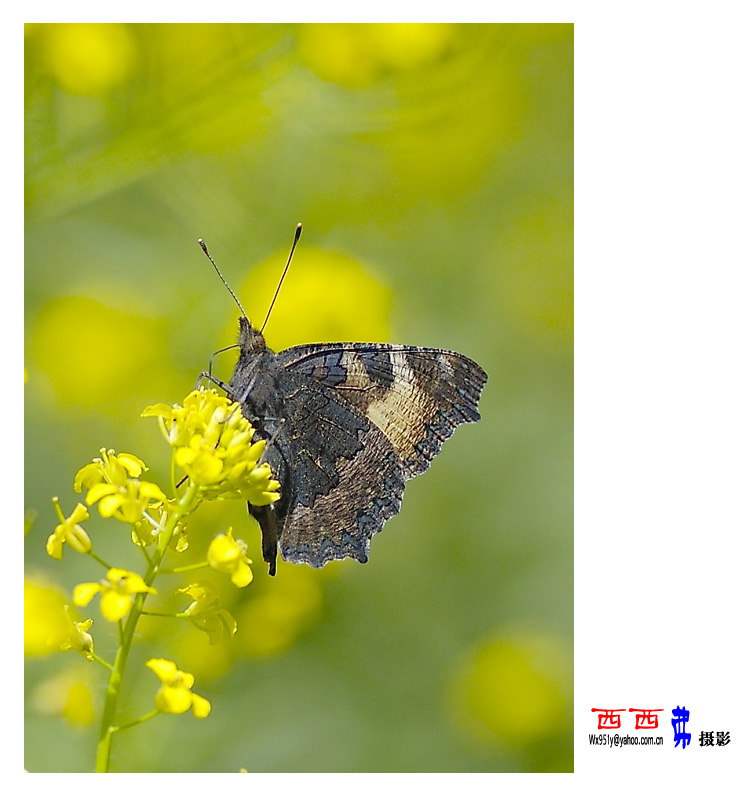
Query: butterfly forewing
x=415, y=396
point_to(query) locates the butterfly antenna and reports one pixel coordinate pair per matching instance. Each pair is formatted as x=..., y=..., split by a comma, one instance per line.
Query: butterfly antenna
x=298, y=230
x=218, y=271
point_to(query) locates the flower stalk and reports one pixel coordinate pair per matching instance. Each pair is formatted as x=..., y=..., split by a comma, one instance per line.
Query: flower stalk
x=212, y=444
x=113, y=692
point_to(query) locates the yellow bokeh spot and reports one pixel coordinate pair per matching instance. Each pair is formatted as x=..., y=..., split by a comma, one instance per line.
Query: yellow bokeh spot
x=206, y=662
x=409, y=44
x=325, y=297
x=356, y=55
x=90, y=352
x=89, y=58
x=45, y=623
x=78, y=707
x=270, y=622
x=513, y=691
x=68, y=695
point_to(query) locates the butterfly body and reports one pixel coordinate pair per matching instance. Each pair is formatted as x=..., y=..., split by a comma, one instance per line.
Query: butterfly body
x=348, y=424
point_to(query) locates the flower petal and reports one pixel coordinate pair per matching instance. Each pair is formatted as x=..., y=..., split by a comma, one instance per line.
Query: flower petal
x=164, y=669
x=98, y=491
x=114, y=606
x=133, y=465
x=55, y=545
x=242, y=575
x=173, y=700
x=200, y=706
x=84, y=593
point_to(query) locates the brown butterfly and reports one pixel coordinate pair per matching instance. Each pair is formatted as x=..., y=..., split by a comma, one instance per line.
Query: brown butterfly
x=348, y=424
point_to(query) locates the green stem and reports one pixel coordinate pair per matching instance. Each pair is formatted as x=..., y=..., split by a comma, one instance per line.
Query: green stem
x=113, y=692
x=98, y=559
x=174, y=615
x=146, y=717
x=143, y=550
x=185, y=568
x=102, y=661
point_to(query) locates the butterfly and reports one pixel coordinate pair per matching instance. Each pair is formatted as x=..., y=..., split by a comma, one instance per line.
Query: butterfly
x=347, y=425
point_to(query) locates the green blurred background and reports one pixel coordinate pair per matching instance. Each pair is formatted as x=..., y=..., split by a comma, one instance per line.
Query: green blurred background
x=432, y=168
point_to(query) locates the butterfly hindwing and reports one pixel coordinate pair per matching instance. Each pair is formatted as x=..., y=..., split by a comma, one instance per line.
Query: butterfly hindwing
x=340, y=477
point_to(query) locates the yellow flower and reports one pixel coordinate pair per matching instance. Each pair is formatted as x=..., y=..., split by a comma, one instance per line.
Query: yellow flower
x=175, y=696
x=111, y=482
x=206, y=613
x=117, y=593
x=109, y=467
x=126, y=503
x=228, y=555
x=78, y=637
x=71, y=532
x=212, y=443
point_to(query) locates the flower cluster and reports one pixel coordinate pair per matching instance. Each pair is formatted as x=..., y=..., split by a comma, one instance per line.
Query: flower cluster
x=175, y=696
x=229, y=556
x=212, y=443
x=112, y=483
x=206, y=613
x=69, y=531
x=78, y=637
x=117, y=592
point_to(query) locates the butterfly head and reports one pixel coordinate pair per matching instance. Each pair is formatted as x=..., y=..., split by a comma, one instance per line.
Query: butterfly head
x=250, y=339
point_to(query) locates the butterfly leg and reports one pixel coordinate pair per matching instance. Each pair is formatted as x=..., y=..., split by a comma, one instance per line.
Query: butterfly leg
x=265, y=516
x=243, y=394
x=209, y=373
x=216, y=381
